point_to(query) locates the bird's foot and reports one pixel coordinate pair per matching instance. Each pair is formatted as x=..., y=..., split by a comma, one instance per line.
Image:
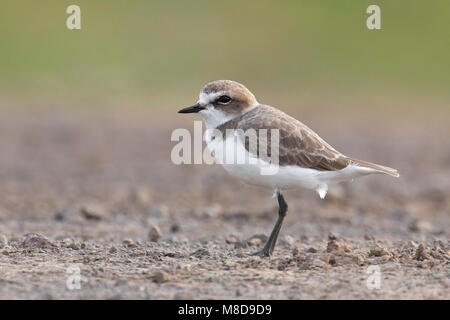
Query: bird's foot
x=265, y=252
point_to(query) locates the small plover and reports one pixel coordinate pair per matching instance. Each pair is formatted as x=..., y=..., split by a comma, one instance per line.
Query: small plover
x=304, y=159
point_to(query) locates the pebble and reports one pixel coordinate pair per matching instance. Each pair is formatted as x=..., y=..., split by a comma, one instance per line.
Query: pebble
x=74, y=246
x=369, y=237
x=257, y=239
x=3, y=241
x=240, y=245
x=232, y=239
x=113, y=249
x=421, y=253
x=338, y=245
x=129, y=243
x=290, y=240
x=296, y=252
x=175, y=227
x=160, y=277
x=420, y=226
x=378, y=251
x=61, y=215
x=35, y=240
x=311, y=250
x=331, y=237
x=154, y=234
x=200, y=253
x=93, y=212
x=330, y=259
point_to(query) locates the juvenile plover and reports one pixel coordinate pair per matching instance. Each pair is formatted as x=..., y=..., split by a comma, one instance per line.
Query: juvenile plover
x=304, y=159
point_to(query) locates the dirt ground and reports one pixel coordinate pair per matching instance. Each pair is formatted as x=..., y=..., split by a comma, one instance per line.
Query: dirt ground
x=96, y=192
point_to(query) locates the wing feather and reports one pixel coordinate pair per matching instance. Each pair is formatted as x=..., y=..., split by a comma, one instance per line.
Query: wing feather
x=298, y=144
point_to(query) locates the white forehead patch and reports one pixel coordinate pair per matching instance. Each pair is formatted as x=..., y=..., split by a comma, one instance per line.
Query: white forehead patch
x=207, y=98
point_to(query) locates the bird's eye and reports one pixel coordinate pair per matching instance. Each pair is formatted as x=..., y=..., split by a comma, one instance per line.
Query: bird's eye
x=224, y=100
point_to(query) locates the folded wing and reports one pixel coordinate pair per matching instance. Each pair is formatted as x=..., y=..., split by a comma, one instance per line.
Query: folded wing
x=298, y=144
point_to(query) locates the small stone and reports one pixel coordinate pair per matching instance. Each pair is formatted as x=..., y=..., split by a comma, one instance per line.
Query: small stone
x=74, y=246
x=378, y=251
x=369, y=237
x=421, y=253
x=330, y=259
x=3, y=241
x=200, y=253
x=290, y=240
x=175, y=227
x=61, y=215
x=420, y=226
x=154, y=234
x=257, y=240
x=35, y=240
x=129, y=243
x=160, y=277
x=360, y=259
x=311, y=250
x=232, y=239
x=254, y=242
x=93, y=212
x=411, y=245
x=113, y=249
x=338, y=245
x=240, y=244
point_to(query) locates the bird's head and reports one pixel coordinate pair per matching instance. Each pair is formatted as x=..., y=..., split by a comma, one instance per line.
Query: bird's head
x=221, y=101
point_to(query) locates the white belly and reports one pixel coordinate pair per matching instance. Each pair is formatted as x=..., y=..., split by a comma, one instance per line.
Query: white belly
x=231, y=153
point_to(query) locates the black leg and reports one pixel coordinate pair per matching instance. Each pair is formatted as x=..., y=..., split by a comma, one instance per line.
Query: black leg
x=270, y=244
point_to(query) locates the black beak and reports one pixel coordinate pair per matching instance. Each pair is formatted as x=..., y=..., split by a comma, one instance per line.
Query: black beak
x=192, y=109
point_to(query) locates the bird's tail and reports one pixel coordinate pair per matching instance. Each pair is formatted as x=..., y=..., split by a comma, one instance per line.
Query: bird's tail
x=378, y=168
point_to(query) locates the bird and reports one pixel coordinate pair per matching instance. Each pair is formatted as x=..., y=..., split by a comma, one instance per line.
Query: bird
x=305, y=160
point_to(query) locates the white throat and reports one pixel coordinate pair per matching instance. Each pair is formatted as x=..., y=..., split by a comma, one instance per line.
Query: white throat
x=214, y=118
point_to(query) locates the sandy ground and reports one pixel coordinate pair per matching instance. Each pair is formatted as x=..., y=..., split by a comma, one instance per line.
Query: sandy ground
x=98, y=194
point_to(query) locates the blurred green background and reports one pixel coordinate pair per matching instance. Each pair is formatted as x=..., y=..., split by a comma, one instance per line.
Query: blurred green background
x=160, y=53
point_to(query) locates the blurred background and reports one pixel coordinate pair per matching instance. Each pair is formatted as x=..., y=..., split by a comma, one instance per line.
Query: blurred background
x=86, y=118
x=155, y=54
